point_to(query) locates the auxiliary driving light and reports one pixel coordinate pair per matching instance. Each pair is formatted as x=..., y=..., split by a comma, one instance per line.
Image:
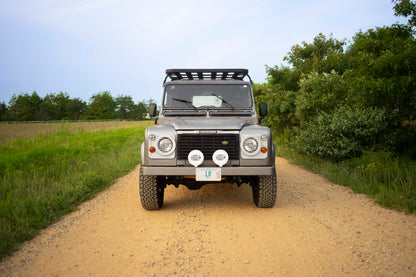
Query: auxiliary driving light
x=220, y=157
x=195, y=157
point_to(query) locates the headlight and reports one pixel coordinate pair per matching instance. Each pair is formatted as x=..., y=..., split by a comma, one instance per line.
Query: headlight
x=250, y=145
x=165, y=145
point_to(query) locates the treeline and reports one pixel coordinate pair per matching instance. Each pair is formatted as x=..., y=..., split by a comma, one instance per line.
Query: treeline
x=337, y=99
x=59, y=106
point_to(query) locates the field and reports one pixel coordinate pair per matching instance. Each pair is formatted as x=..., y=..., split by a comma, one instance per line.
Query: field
x=9, y=132
x=46, y=170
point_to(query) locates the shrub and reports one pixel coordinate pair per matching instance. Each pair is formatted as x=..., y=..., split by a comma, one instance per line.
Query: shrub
x=345, y=133
x=319, y=93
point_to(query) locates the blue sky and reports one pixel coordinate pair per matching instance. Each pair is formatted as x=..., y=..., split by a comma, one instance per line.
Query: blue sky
x=124, y=46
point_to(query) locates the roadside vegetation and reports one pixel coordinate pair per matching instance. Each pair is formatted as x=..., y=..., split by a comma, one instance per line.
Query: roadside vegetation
x=59, y=106
x=14, y=130
x=348, y=110
x=45, y=177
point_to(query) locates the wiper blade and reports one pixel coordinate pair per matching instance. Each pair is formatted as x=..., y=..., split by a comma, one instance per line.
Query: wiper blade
x=189, y=103
x=223, y=100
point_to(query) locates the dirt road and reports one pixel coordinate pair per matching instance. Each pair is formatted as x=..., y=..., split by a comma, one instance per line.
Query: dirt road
x=316, y=229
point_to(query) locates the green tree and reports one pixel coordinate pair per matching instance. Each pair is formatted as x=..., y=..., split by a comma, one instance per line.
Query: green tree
x=406, y=8
x=320, y=93
x=75, y=108
x=281, y=105
x=102, y=106
x=287, y=78
x=322, y=55
x=54, y=106
x=125, y=106
x=24, y=107
x=139, y=110
x=383, y=76
x=3, y=111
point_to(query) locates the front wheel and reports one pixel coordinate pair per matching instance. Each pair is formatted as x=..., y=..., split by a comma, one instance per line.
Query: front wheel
x=264, y=191
x=151, y=193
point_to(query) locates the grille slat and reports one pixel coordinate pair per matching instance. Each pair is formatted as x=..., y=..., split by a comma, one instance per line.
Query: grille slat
x=208, y=144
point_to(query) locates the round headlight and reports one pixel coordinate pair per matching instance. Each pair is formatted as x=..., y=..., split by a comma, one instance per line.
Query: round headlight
x=250, y=145
x=165, y=145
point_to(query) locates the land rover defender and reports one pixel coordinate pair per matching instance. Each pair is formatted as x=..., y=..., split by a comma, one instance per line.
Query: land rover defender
x=207, y=131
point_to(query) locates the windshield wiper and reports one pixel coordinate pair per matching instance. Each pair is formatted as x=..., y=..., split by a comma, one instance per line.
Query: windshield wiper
x=189, y=103
x=223, y=100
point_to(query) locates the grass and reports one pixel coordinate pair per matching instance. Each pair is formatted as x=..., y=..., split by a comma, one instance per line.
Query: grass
x=13, y=131
x=45, y=177
x=385, y=177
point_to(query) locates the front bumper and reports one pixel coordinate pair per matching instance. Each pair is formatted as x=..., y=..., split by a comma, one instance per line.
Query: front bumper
x=225, y=171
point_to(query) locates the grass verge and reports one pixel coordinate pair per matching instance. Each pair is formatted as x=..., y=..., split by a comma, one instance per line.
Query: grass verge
x=46, y=177
x=387, y=178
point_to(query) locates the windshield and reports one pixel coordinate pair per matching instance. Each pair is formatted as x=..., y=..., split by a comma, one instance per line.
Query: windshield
x=207, y=96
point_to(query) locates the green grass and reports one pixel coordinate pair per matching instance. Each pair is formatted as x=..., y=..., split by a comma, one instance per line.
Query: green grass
x=46, y=177
x=389, y=179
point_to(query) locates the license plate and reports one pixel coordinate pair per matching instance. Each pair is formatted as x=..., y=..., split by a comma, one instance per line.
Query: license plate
x=208, y=174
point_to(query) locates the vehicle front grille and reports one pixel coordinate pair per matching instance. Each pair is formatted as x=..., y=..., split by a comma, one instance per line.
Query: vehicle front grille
x=208, y=144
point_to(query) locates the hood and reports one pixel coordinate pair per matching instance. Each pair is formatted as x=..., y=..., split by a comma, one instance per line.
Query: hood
x=207, y=123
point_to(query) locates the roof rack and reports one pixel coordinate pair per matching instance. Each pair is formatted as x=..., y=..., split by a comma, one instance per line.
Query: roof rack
x=207, y=74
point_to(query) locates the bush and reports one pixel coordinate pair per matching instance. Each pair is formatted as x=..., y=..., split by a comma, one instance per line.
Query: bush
x=319, y=93
x=281, y=105
x=343, y=134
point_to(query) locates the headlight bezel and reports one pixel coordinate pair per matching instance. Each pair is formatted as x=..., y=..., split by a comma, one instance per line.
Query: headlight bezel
x=262, y=138
x=163, y=139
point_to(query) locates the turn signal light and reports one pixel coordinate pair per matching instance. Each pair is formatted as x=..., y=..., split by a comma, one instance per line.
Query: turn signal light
x=263, y=150
x=152, y=149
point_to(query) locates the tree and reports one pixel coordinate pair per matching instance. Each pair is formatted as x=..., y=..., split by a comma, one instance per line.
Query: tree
x=125, y=106
x=139, y=110
x=3, y=111
x=406, y=8
x=102, y=106
x=75, y=108
x=24, y=107
x=54, y=106
x=382, y=76
x=322, y=55
x=320, y=93
x=287, y=78
x=281, y=105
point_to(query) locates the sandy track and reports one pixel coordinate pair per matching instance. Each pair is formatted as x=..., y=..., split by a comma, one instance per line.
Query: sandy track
x=316, y=229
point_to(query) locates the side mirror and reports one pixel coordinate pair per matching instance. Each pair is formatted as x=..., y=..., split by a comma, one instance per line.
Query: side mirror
x=263, y=109
x=152, y=109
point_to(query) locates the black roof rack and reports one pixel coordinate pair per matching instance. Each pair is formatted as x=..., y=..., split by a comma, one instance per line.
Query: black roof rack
x=207, y=74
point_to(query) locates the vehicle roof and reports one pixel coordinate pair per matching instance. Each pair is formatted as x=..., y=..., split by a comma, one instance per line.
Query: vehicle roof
x=207, y=82
x=218, y=74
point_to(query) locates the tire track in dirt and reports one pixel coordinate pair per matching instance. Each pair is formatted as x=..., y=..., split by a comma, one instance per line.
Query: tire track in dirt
x=316, y=229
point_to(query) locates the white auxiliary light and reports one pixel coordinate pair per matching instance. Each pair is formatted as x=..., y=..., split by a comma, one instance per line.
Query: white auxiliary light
x=195, y=157
x=220, y=157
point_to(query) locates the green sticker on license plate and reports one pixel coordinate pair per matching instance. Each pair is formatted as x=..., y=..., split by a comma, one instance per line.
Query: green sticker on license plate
x=208, y=174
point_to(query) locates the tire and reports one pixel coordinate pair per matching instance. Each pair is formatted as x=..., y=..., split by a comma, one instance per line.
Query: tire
x=151, y=193
x=264, y=191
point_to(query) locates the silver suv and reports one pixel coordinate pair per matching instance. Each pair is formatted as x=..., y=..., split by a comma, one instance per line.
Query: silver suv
x=207, y=131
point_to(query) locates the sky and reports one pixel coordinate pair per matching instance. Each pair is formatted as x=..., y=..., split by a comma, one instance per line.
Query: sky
x=125, y=46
